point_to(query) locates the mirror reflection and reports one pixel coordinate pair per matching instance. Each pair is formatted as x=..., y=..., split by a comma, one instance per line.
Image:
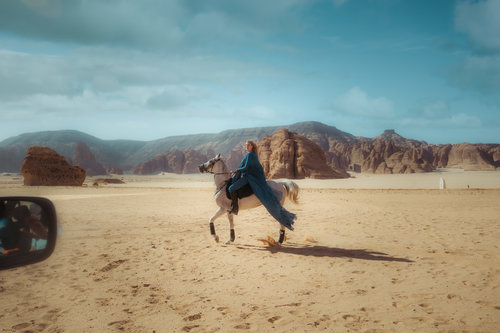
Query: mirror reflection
x=23, y=227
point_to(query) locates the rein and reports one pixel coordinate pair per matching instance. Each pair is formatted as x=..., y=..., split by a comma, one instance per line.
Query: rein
x=223, y=184
x=219, y=189
x=216, y=174
x=219, y=173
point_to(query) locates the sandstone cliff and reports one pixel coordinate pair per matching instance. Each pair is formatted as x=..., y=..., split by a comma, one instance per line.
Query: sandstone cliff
x=43, y=166
x=84, y=158
x=473, y=157
x=175, y=162
x=391, y=153
x=289, y=155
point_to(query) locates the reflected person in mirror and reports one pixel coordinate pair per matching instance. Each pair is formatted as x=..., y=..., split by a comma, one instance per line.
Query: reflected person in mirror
x=20, y=231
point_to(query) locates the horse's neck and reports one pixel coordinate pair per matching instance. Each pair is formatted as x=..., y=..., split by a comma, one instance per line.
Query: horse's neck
x=220, y=179
x=221, y=176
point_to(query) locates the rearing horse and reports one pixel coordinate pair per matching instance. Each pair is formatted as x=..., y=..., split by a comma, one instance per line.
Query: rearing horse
x=217, y=167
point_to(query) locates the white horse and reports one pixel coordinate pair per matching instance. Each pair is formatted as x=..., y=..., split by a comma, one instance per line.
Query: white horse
x=217, y=167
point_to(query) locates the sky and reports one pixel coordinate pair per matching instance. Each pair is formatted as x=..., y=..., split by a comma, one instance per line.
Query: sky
x=149, y=69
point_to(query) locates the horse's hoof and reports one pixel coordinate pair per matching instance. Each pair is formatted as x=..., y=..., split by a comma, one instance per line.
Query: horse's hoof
x=216, y=238
x=229, y=242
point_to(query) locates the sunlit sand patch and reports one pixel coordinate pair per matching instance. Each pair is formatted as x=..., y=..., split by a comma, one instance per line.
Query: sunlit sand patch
x=269, y=241
x=310, y=239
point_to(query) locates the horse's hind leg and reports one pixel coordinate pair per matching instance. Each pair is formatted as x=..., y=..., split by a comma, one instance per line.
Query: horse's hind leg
x=282, y=235
x=232, y=235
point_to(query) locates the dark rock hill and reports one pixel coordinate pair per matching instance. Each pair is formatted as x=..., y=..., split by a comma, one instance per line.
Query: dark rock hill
x=109, y=153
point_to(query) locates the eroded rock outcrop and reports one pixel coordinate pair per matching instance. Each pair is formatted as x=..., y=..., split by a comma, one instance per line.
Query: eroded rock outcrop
x=43, y=166
x=235, y=156
x=290, y=155
x=470, y=157
x=175, y=162
x=84, y=158
x=387, y=157
x=159, y=163
x=192, y=159
x=392, y=153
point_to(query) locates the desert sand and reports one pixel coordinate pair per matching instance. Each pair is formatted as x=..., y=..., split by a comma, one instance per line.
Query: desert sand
x=374, y=253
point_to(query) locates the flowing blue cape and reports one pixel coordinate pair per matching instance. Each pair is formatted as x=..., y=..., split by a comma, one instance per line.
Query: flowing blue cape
x=252, y=169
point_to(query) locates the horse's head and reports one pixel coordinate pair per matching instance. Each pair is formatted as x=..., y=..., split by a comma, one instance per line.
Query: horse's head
x=212, y=165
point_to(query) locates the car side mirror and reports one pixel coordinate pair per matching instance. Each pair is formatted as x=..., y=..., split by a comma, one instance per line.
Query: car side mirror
x=28, y=230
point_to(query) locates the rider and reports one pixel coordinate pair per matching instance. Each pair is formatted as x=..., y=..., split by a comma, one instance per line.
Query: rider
x=251, y=172
x=250, y=163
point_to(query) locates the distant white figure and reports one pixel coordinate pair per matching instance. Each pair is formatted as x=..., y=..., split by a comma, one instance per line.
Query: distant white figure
x=442, y=184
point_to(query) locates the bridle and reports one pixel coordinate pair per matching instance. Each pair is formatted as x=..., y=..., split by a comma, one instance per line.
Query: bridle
x=212, y=163
x=211, y=166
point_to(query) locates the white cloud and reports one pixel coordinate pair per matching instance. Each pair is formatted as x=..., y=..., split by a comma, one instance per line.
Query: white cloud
x=173, y=26
x=176, y=97
x=357, y=102
x=480, y=21
x=435, y=109
x=261, y=112
x=459, y=120
x=478, y=72
x=339, y=3
x=464, y=120
x=48, y=8
x=112, y=70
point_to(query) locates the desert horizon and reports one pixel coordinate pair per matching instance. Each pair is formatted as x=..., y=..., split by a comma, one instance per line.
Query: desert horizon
x=454, y=178
x=378, y=253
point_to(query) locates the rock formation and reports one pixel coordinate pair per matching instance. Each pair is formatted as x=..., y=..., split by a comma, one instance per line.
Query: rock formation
x=391, y=153
x=471, y=157
x=235, y=156
x=84, y=158
x=43, y=166
x=289, y=155
x=157, y=164
x=176, y=162
x=192, y=159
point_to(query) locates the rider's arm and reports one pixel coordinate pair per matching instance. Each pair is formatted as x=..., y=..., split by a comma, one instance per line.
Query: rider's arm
x=245, y=164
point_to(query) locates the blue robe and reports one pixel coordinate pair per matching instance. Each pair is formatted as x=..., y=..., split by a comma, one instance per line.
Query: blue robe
x=251, y=169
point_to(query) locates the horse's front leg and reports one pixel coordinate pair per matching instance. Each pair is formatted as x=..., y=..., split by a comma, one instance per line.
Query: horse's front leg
x=212, y=226
x=232, y=235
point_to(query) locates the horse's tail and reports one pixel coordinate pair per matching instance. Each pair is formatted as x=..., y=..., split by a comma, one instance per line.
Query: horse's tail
x=292, y=191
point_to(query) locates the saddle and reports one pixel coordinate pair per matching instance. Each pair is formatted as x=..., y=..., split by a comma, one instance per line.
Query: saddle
x=243, y=192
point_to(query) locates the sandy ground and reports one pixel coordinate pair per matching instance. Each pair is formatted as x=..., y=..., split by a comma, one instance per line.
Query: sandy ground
x=371, y=254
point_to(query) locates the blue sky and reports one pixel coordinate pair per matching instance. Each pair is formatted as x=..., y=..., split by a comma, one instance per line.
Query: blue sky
x=149, y=69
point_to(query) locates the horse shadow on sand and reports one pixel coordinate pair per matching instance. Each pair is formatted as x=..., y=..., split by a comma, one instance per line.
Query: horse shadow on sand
x=325, y=251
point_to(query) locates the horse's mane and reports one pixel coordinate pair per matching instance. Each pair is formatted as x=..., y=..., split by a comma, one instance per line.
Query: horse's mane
x=224, y=166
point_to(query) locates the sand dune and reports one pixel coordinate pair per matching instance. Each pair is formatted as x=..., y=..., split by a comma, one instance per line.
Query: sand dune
x=371, y=253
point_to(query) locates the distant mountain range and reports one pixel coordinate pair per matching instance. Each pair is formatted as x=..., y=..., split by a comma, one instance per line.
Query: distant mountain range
x=343, y=150
x=126, y=154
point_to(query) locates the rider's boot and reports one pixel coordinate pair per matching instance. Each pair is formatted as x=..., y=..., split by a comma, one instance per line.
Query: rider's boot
x=234, y=203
